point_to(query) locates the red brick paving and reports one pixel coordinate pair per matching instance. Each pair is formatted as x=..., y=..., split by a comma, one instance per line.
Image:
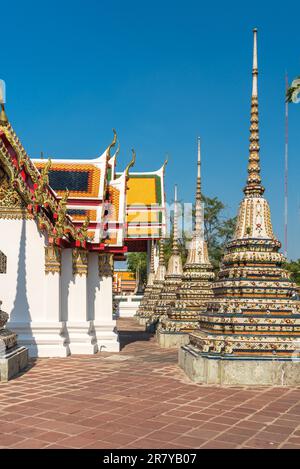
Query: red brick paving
x=140, y=398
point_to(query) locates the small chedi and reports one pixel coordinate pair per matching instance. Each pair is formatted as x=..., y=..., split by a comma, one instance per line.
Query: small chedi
x=13, y=358
x=149, y=306
x=173, y=276
x=196, y=285
x=149, y=286
x=250, y=333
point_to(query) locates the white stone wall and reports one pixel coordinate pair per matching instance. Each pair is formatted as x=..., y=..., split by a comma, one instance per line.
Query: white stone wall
x=53, y=314
x=22, y=287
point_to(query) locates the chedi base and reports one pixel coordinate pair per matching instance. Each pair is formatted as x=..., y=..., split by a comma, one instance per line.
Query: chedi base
x=238, y=371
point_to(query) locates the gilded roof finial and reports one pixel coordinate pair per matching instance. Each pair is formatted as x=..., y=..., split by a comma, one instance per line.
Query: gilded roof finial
x=114, y=141
x=117, y=150
x=40, y=192
x=3, y=116
x=131, y=163
x=165, y=162
x=61, y=216
x=253, y=186
x=175, y=248
x=83, y=230
x=198, y=208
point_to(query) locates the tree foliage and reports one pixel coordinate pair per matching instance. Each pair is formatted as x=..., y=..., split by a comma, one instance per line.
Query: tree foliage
x=218, y=230
x=138, y=260
x=294, y=268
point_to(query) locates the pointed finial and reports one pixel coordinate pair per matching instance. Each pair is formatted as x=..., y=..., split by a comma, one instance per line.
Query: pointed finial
x=254, y=187
x=199, y=160
x=152, y=269
x=161, y=261
x=198, y=214
x=175, y=248
x=255, y=67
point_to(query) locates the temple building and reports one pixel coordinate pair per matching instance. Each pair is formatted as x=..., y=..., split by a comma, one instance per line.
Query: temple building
x=63, y=224
x=124, y=282
x=194, y=289
x=173, y=275
x=250, y=332
x=147, y=307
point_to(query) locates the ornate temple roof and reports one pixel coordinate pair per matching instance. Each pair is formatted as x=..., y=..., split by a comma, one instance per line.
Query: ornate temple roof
x=145, y=205
x=93, y=192
x=132, y=204
x=26, y=193
x=84, y=201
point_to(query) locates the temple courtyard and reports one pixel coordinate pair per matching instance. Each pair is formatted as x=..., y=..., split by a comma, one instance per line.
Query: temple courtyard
x=139, y=398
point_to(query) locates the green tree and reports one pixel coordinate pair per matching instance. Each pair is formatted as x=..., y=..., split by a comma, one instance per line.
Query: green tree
x=218, y=230
x=294, y=268
x=182, y=247
x=138, y=260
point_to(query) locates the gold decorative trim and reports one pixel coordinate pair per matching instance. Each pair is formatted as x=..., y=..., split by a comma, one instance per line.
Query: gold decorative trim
x=52, y=260
x=11, y=204
x=106, y=265
x=80, y=262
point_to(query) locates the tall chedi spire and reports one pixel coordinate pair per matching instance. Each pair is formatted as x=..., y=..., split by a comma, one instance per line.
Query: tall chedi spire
x=195, y=287
x=250, y=332
x=198, y=205
x=157, y=286
x=173, y=276
x=253, y=187
x=149, y=285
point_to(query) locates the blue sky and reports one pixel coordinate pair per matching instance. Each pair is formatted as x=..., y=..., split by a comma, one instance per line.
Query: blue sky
x=160, y=72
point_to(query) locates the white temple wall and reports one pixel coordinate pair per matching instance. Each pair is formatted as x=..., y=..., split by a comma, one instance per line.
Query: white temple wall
x=58, y=312
x=22, y=287
x=80, y=330
x=101, y=306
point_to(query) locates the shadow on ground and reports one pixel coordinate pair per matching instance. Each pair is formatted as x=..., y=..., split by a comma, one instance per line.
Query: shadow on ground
x=129, y=337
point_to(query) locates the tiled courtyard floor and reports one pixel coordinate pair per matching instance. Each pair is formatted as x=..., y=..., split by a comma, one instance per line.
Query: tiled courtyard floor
x=139, y=399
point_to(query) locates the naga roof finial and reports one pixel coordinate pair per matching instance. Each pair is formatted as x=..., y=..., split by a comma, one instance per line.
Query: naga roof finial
x=165, y=162
x=114, y=141
x=131, y=163
x=3, y=116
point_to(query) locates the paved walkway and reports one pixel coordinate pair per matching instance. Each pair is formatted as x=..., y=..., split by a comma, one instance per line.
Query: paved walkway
x=139, y=399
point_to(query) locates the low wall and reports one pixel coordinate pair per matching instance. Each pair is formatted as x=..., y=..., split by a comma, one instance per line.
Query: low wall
x=127, y=306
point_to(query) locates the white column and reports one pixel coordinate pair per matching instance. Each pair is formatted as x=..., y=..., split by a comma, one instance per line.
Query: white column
x=81, y=332
x=156, y=255
x=50, y=335
x=100, y=279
